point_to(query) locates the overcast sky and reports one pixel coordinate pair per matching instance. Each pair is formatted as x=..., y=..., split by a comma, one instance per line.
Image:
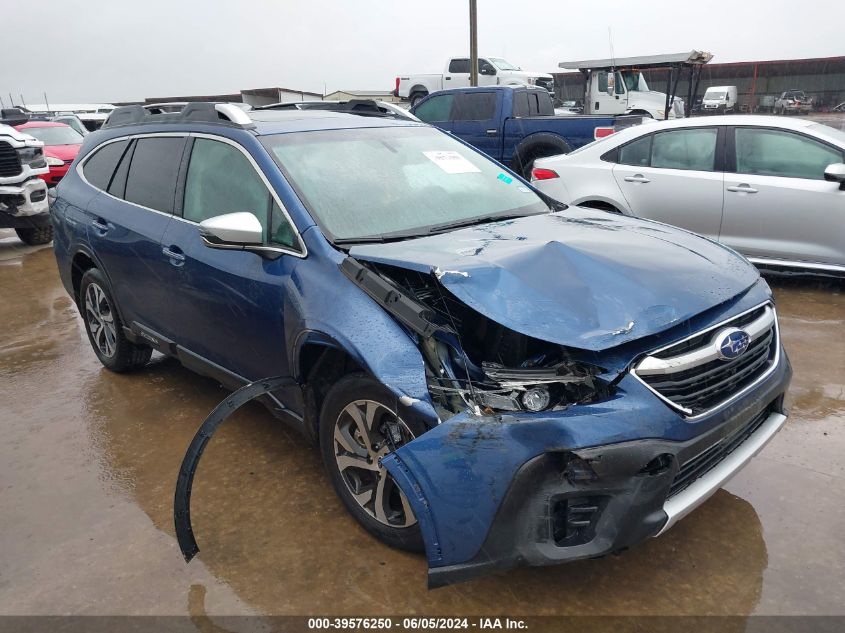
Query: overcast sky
x=96, y=50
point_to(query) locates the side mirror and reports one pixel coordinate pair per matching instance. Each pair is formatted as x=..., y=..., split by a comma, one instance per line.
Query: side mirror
x=836, y=173
x=232, y=230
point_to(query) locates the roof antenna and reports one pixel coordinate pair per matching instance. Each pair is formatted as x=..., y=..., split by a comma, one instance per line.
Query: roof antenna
x=612, y=58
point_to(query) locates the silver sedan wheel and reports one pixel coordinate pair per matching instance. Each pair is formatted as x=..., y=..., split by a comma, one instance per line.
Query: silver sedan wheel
x=363, y=434
x=100, y=318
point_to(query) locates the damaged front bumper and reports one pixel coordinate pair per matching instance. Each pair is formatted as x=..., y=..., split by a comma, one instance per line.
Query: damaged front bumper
x=496, y=492
x=23, y=200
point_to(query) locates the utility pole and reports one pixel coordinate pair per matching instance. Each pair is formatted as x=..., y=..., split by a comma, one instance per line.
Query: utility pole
x=473, y=43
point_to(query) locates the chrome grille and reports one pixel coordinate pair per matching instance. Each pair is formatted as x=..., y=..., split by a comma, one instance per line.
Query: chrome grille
x=10, y=163
x=692, y=376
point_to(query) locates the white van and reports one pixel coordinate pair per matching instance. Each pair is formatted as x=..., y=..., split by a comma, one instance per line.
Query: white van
x=719, y=100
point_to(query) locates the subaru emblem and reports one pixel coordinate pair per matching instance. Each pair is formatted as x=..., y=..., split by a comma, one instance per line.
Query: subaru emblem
x=731, y=343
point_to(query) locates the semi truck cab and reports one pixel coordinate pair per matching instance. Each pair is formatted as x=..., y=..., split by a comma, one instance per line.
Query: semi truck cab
x=618, y=86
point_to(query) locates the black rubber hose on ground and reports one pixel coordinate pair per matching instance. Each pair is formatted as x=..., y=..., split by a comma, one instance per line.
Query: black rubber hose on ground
x=182, y=499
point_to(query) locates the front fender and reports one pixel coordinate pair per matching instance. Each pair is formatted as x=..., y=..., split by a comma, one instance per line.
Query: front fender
x=322, y=306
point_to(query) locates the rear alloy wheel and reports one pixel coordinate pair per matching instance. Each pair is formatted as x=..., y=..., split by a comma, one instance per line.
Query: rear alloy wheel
x=99, y=316
x=104, y=327
x=357, y=430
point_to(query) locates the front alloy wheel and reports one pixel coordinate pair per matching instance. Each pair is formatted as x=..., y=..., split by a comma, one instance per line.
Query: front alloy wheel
x=364, y=432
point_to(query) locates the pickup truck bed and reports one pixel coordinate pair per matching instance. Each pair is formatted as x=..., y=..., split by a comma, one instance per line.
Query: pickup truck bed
x=512, y=124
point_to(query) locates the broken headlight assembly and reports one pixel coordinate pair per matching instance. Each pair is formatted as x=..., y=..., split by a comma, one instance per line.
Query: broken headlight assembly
x=538, y=384
x=472, y=362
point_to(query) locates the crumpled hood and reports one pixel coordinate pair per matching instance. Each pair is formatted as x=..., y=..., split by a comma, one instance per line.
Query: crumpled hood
x=580, y=278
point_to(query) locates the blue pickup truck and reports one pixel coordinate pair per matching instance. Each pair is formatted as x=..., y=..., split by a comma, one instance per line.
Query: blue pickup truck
x=515, y=125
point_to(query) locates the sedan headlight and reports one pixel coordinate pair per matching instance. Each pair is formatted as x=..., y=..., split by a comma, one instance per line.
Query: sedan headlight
x=52, y=161
x=32, y=156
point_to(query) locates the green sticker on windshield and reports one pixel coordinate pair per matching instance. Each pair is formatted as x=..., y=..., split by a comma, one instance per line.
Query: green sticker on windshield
x=505, y=179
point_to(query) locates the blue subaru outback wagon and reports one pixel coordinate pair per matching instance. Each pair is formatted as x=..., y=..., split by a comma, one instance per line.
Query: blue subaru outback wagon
x=491, y=377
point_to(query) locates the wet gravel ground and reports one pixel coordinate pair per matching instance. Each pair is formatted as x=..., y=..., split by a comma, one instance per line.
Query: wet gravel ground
x=88, y=461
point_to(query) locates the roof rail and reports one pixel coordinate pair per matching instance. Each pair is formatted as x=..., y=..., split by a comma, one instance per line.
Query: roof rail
x=196, y=111
x=363, y=107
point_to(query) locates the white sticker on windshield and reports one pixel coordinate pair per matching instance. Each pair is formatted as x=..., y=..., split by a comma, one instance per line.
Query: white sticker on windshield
x=451, y=162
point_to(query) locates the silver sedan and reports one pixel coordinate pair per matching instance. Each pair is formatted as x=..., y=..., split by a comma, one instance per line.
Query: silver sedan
x=769, y=187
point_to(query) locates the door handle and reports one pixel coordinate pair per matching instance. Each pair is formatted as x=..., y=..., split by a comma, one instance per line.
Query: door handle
x=175, y=254
x=743, y=188
x=101, y=226
x=492, y=132
x=637, y=178
x=447, y=78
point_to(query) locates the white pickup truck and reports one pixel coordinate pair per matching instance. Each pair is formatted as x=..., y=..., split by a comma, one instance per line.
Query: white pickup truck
x=23, y=195
x=492, y=71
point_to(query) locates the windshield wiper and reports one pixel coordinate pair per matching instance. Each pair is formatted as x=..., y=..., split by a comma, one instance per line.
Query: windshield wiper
x=441, y=228
x=484, y=219
x=378, y=239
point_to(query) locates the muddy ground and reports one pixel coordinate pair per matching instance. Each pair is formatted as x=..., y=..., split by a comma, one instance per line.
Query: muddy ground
x=88, y=461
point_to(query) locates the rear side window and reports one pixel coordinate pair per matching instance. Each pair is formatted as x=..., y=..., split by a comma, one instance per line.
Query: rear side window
x=532, y=103
x=151, y=181
x=475, y=106
x=459, y=66
x=685, y=149
x=545, y=107
x=779, y=153
x=99, y=168
x=520, y=104
x=117, y=187
x=637, y=153
x=435, y=109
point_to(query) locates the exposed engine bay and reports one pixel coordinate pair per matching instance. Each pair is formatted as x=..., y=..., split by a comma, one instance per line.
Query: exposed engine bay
x=471, y=361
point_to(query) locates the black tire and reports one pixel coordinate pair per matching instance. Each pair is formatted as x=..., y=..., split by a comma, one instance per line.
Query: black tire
x=539, y=146
x=346, y=393
x=417, y=97
x=97, y=306
x=36, y=235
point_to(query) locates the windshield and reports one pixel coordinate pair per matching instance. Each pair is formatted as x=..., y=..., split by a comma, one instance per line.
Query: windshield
x=55, y=135
x=501, y=64
x=395, y=181
x=634, y=81
x=715, y=95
